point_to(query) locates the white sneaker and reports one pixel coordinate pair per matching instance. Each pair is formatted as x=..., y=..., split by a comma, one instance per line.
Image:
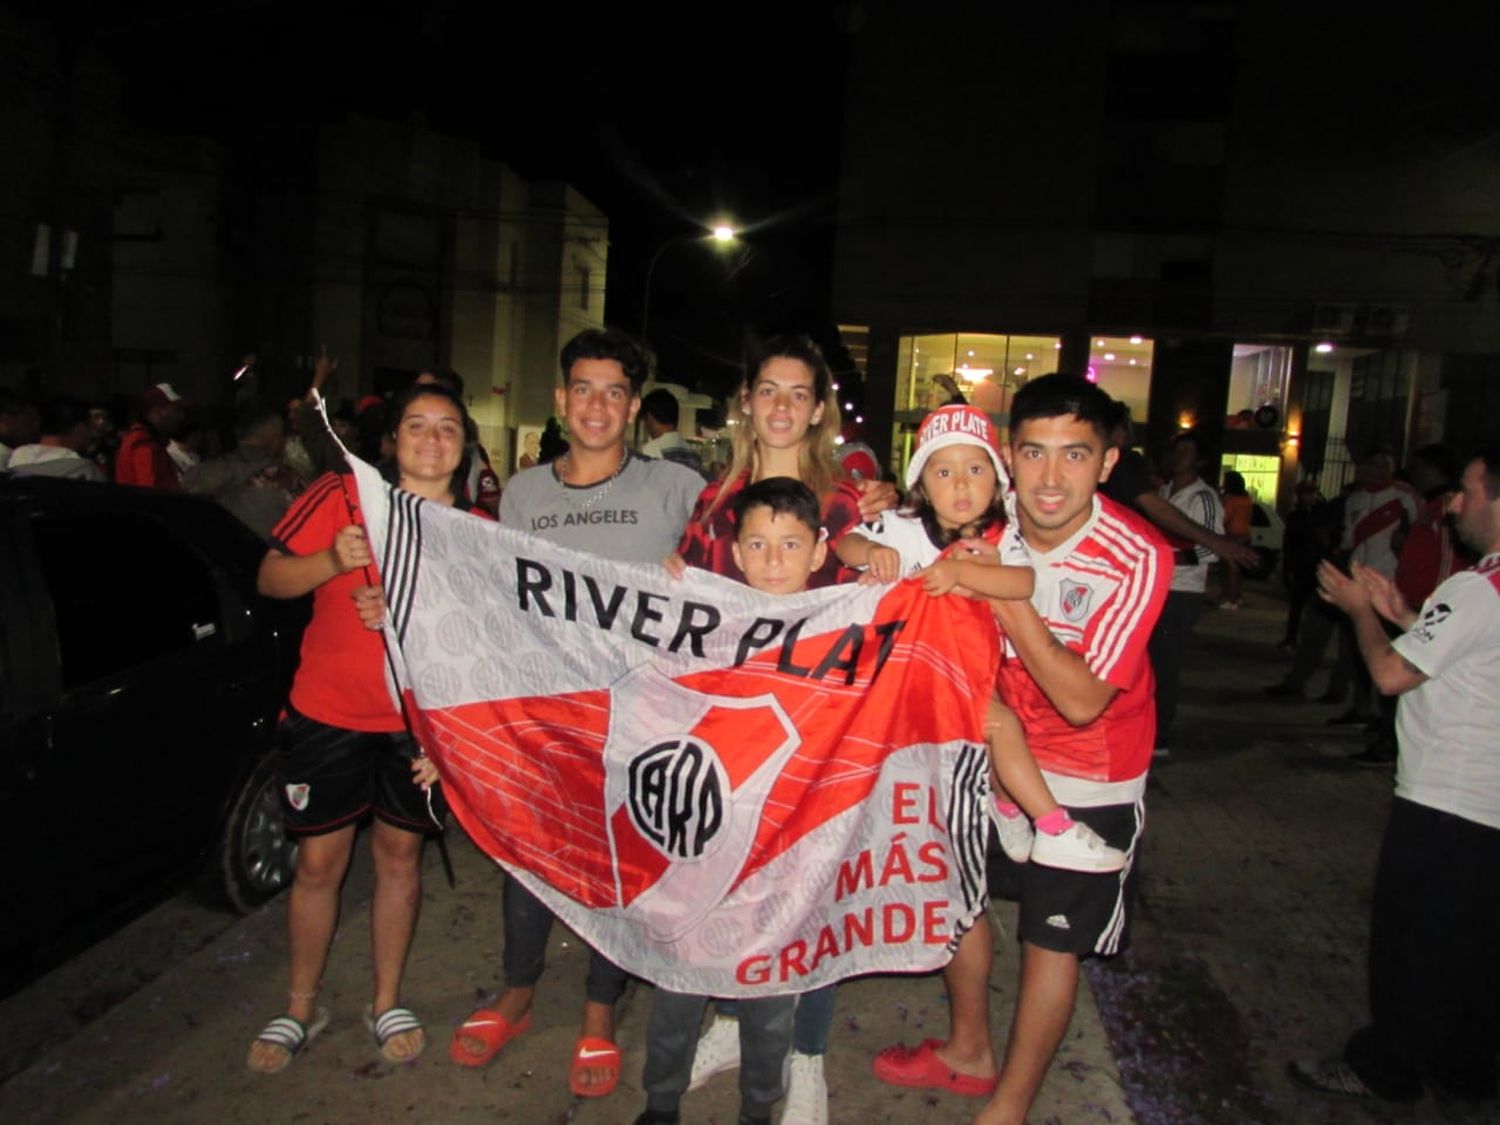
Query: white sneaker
x=806, y=1092
x=718, y=1051
x=1015, y=833
x=1080, y=848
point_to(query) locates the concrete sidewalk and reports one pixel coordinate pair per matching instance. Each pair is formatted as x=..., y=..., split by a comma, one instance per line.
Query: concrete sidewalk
x=175, y=1050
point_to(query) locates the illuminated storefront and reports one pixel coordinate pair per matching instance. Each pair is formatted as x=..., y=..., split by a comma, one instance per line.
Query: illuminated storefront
x=988, y=369
x=1250, y=423
x=1121, y=365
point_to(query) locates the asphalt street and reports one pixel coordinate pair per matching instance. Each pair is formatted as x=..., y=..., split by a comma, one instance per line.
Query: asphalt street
x=1248, y=951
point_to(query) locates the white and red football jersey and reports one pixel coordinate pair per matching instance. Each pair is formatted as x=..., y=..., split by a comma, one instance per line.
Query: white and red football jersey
x=1100, y=594
x=1374, y=517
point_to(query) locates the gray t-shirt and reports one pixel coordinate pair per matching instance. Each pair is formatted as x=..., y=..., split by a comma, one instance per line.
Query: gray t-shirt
x=637, y=516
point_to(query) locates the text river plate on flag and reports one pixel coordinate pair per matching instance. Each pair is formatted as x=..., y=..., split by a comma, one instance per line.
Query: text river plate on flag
x=724, y=792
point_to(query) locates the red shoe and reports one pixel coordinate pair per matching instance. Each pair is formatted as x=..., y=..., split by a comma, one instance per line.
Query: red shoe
x=591, y=1053
x=921, y=1069
x=490, y=1028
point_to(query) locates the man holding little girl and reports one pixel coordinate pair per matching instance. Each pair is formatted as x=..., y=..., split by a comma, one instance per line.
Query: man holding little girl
x=1076, y=674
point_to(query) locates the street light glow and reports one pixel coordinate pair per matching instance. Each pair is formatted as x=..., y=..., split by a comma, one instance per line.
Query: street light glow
x=724, y=233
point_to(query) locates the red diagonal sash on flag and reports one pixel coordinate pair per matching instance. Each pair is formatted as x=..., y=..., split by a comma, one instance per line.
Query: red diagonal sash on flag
x=724, y=792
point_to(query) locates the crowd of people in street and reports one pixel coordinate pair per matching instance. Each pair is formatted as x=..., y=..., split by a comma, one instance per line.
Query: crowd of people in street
x=1095, y=563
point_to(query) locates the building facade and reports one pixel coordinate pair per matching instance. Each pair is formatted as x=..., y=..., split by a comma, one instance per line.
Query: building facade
x=400, y=249
x=1267, y=222
x=133, y=257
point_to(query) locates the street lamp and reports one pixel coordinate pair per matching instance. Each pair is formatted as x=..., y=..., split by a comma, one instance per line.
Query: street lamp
x=721, y=235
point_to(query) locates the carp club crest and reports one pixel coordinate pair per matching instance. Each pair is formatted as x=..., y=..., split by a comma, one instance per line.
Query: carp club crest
x=678, y=788
x=685, y=785
x=1075, y=599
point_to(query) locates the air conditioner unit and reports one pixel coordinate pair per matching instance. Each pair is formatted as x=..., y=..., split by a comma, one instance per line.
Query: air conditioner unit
x=1331, y=318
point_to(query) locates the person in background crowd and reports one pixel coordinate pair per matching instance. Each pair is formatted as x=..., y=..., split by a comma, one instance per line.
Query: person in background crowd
x=372, y=444
x=143, y=459
x=945, y=392
x=553, y=445
x=297, y=455
x=1238, y=507
x=1131, y=483
x=19, y=423
x=309, y=451
x=58, y=450
x=104, y=438
x=1301, y=551
x=858, y=461
x=1321, y=620
x=1435, y=919
x=1195, y=498
x=659, y=411
x=252, y=482
x=1377, y=517
x=187, y=445
x=659, y=415
x=345, y=425
x=1430, y=552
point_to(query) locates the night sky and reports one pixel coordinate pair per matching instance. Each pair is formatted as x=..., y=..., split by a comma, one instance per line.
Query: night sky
x=662, y=122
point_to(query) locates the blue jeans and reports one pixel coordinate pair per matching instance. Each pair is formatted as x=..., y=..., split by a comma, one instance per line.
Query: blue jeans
x=813, y=1021
x=672, y=1037
x=528, y=923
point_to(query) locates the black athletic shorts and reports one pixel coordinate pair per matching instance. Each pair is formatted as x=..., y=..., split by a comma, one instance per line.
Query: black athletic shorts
x=1080, y=911
x=331, y=777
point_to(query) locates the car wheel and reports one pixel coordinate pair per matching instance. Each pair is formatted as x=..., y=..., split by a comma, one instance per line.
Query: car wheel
x=257, y=857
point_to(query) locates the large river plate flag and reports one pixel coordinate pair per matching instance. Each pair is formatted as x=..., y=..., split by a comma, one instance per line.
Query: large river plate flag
x=724, y=792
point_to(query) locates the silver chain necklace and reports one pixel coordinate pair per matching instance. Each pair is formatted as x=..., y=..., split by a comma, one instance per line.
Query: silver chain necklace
x=565, y=462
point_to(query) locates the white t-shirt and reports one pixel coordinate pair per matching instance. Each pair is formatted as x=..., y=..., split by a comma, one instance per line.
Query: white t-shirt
x=658, y=446
x=1200, y=503
x=905, y=535
x=1448, y=727
x=1372, y=517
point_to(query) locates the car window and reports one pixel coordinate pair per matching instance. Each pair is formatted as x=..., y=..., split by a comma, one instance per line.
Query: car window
x=124, y=592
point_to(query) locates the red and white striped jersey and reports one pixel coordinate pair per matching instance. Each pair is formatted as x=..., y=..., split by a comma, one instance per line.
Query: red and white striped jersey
x=1100, y=594
x=1373, y=518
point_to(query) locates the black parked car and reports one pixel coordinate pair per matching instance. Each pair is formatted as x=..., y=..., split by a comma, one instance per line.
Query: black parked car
x=140, y=680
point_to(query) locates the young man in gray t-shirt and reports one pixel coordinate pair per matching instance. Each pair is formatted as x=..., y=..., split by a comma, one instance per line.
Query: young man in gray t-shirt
x=634, y=514
x=601, y=498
